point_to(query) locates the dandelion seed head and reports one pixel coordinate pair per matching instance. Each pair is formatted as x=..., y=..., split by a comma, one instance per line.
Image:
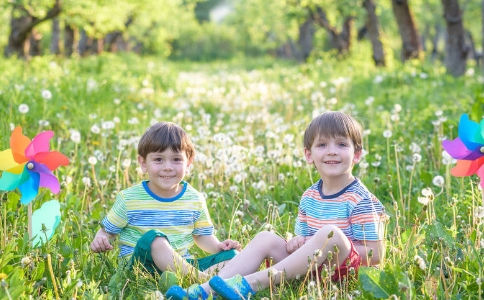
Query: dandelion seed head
x=387, y=134
x=46, y=94
x=92, y=160
x=23, y=108
x=438, y=181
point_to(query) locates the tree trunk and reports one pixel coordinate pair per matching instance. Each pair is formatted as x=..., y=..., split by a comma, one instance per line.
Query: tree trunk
x=411, y=46
x=68, y=40
x=373, y=32
x=339, y=40
x=85, y=43
x=455, y=48
x=35, y=48
x=21, y=25
x=305, y=41
x=435, y=42
x=54, y=42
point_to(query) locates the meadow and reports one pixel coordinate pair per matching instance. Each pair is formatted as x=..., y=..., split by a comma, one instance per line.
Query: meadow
x=246, y=118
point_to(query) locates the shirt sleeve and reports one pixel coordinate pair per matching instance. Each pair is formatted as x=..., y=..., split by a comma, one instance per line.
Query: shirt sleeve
x=302, y=228
x=367, y=220
x=203, y=224
x=116, y=218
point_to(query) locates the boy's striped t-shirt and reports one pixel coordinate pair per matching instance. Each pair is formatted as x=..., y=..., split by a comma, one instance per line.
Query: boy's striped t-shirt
x=138, y=210
x=355, y=210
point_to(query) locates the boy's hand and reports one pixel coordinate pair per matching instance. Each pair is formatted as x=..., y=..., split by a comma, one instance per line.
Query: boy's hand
x=101, y=242
x=230, y=244
x=296, y=243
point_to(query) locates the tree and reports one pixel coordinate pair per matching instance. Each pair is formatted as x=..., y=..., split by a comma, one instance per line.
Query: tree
x=23, y=20
x=373, y=28
x=411, y=44
x=455, y=46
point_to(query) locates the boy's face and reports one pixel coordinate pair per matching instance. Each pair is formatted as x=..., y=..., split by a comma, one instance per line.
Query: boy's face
x=333, y=157
x=165, y=171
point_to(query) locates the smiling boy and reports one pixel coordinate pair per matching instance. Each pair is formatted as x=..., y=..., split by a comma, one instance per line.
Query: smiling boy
x=160, y=219
x=336, y=212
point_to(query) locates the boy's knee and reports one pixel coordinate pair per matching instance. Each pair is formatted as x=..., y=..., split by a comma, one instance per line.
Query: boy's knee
x=270, y=239
x=159, y=243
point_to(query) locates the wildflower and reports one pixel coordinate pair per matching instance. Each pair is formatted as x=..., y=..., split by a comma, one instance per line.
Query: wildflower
x=272, y=272
x=378, y=79
x=233, y=188
x=239, y=214
x=369, y=101
x=86, y=181
x=23, y=108
x=420, y=262
x=95, y=129
x=387, y=134
x=107, y=125
x=116, y=101
x=26, y=261
x=423, y=200
x=43, y=123
x=479, y=280
x=3, y=276
x=427, y=192
x=92, y=160
x=438, y=181
x=416, y=157
x=318, y=253
x=46, y=94
x=447, y=159
x=289, y=236
x=126, y=163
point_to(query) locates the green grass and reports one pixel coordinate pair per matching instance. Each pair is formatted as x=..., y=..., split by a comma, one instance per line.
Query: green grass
x=246, y=118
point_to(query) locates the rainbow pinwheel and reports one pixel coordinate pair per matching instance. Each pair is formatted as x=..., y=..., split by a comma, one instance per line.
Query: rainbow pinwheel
x=468, y=149
x=28, y=165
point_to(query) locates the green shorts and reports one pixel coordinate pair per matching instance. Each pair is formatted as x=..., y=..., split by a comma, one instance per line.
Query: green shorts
x=142, y=254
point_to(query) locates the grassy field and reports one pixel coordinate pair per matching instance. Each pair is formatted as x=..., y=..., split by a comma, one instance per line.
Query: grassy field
x=246, y=119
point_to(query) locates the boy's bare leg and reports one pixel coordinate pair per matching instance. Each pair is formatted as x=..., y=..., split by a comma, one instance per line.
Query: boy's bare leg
x=297, y=263
x=166, y=259
x=264, y=245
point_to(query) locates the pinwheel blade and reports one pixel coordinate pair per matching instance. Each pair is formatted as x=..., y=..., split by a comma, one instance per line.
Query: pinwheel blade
x=18, y=143
x=480, y=173
x=7, y=163
x=30, y=188
x=467, y=132
x=49, y=215
x=52, y=159
x=40, y=143
x=10, y=181
x=467, y=167
x=48, y=180
x=458, y=150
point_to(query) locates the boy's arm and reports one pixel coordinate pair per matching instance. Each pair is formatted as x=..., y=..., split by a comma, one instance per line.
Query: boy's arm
x=211, y=244
x=371, y=252
x=101, y=241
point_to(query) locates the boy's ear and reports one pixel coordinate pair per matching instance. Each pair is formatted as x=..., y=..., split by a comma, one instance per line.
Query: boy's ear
x=357, y=157
x=142, y=163
x=307, y=154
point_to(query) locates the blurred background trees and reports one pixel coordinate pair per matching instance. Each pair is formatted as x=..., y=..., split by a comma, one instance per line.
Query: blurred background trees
x=448, y=30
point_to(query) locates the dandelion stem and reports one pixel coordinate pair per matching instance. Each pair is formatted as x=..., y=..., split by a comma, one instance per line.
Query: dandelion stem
x=51, y=271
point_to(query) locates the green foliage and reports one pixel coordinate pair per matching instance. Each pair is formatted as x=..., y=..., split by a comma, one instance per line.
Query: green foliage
x=246, y=118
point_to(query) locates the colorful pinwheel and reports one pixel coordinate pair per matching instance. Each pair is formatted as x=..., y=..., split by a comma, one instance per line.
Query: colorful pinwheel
x=28, y=165
x=468, y=149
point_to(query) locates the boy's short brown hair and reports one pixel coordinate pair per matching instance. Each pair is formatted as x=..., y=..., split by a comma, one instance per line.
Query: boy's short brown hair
x=164, y=135
x=333, y=124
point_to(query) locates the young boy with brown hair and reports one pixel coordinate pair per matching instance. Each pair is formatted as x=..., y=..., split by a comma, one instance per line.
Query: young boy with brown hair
x=160, y=219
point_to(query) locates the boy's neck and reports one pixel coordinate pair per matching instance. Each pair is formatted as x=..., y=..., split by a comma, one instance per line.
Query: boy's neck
x=334, y=185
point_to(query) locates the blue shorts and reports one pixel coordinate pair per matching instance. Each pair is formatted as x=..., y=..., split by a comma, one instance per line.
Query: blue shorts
x=142, y=254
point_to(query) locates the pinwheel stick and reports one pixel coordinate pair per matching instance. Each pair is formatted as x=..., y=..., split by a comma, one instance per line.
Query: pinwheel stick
x=29, y=217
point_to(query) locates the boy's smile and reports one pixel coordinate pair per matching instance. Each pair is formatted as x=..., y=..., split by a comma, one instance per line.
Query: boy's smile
x=165, y=171
x=333, y=158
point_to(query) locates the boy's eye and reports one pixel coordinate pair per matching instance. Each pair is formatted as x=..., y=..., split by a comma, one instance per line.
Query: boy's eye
x=178, y=159
x=343, y=144
x=158, y=159
x=321, y=144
